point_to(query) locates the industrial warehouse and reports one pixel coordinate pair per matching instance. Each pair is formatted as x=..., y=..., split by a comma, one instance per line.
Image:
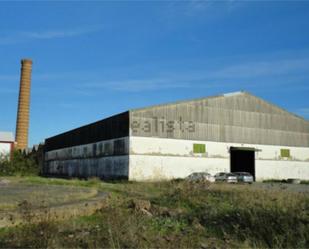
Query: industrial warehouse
x=227, y=133
x=235, y=132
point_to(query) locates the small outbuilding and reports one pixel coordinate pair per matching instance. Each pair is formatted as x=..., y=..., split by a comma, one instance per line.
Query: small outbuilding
x=6, y=144
x=226, y=133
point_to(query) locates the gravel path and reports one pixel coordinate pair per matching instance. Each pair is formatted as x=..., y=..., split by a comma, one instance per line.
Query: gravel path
x=46, y=202
x=300, y=188
x=14, y=193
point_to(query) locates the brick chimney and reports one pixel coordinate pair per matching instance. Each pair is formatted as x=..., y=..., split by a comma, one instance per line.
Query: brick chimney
x=22, y=124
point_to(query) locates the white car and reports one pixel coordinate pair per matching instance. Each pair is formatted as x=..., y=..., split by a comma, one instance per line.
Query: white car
x=226, y=177
x=198, y=176
x=244, y=177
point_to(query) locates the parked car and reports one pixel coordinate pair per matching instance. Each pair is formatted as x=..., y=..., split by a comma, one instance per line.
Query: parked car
x=226, y=177
x=244, y=177
x=200, y=176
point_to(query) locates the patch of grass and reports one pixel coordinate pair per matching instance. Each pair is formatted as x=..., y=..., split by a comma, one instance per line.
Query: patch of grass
x=175, y=214
x=31, y=234
x=164, y=225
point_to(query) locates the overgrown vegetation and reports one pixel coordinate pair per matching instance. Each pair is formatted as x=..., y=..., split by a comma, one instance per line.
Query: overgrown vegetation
x=173, y=215
x=20, y=164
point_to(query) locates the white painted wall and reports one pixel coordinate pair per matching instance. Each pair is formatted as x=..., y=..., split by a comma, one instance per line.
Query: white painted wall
x=159, y=158
x=271, y=169
x=5, y=150
x=152, y=167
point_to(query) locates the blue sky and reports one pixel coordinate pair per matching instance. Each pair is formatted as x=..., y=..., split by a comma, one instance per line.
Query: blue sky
x=95, y=59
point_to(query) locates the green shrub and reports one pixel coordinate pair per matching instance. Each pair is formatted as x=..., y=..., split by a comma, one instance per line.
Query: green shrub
x=19, y=164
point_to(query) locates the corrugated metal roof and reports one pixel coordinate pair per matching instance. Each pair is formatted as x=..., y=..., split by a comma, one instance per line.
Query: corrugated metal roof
x=235, y=118
x=226, y=95
x=6, y=136
x=178, y=102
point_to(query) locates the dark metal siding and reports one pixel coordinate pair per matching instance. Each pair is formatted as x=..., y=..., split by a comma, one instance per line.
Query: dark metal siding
x=113, y=127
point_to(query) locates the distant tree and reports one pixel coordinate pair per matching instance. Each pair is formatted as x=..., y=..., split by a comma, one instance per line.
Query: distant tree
x=20, y=164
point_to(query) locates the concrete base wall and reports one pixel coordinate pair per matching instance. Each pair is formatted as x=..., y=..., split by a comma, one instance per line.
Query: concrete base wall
x=115, y=167
x=157, y=158
x=105, y=159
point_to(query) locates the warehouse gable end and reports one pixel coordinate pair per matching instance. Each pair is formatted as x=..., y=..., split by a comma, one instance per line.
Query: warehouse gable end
x=235, y=117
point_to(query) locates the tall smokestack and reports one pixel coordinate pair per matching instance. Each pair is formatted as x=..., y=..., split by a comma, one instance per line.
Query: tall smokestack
x=22, y=124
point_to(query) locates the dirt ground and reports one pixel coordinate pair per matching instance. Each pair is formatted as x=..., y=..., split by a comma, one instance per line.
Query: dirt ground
x=13, y=193
x=21, y=199
x=300, y=188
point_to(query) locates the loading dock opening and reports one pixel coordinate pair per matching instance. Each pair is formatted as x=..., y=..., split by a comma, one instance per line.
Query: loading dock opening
x=243, y=160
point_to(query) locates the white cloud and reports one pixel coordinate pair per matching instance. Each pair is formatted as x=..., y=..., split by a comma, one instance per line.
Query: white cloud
x=132, y=85
x=263, y=68
x=290, y=72
x=25, y=36
x=196, y=6
x=209, y=10
x=259, y=73
x=303, y=112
